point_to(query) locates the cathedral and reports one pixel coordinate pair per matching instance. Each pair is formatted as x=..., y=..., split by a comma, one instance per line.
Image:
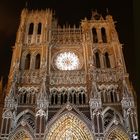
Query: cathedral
x=68, y=83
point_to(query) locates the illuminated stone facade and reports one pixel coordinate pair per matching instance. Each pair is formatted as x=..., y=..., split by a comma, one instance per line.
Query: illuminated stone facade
x=68, y=83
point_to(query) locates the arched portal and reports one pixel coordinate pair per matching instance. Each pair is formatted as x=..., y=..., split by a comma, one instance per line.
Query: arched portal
x=117, y=134
x=21, y=135
x=69, y=127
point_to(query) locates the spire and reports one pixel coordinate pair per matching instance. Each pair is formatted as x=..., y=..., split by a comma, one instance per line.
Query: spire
x=95, y=15
x=126, y=91
x=27, y=4
x=12, y=90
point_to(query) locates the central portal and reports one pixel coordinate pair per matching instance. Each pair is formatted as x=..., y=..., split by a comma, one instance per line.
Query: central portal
x=69, y=127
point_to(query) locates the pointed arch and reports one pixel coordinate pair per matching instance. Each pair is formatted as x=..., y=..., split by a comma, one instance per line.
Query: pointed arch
x=6, y=122
x=117, y=132
x=21, y=134
x=74, y=98
x=71, y=126
x=26, y=117
x=23, y=113
x=109, y=116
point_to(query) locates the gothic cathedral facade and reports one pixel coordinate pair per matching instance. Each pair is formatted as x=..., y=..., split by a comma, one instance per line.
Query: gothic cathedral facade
x=68, y=83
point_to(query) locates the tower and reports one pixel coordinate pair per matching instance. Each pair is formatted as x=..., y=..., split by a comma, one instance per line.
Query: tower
x=68, y=83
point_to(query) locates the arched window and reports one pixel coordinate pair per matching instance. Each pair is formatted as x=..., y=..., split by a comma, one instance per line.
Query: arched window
x=103, y=32
x=31, y=29
x=111, y=96
x=25, y=98
x=84, y=99
x=61, y=99
x=37, y=61
x=56, y=99
x=107, y=61
x=94, y=34
x=30, y=98
x=70, y=98
x=65, y=98
x=39, y=28
x=74, y=98
x=52, y=99
x=27, y=62
x=97, y=60
x=80, y=98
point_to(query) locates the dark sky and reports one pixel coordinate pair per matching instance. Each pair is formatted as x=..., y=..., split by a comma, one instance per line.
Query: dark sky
x=69, y=11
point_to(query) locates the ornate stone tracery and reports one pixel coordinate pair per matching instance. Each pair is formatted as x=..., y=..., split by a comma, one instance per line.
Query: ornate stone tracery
x=21, y=135
x=72, y=128
x=117, y=133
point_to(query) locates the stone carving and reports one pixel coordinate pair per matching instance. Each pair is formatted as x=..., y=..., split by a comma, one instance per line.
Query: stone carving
x=28, y=89
x=67, y=78
x=67, y=36
x=107, y=75
x=40, y=112
x=31, y=77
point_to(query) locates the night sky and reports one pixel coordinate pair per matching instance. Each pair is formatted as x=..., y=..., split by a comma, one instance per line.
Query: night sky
x=69, y=12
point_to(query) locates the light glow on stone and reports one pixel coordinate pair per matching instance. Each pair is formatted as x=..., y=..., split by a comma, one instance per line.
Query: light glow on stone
x=67, y=61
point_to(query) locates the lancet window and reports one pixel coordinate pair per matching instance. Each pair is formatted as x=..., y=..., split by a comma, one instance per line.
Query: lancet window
x=107, y=60
x=31, y=29
x=37, y=61
x=97, y=60
x=103, y=33
x=94, y=34
x=62, y=97
x=39, y=29
x=110, y=95
x=27, y=62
